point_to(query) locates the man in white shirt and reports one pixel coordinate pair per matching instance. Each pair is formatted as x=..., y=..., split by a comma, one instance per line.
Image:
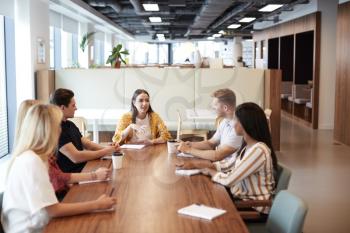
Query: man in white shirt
x=225, y=141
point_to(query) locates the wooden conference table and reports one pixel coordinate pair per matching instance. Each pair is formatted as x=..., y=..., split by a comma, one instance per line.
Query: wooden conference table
x=148, y=196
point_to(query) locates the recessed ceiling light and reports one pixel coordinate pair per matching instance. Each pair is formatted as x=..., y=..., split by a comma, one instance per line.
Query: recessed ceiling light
x=150, y=7
x=270, y=7
x=155, y=19
x=247, y=19
x=234, y=26
x=222, y=32
x=210, y=38
x=217, y=35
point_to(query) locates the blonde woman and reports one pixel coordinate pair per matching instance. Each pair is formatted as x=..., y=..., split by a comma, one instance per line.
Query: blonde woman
x=141, y=125
x=59, y=179
x=29, y=198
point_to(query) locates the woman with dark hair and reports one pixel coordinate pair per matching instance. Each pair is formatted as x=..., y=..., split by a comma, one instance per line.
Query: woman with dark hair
x=249, y=172
x=141, y=125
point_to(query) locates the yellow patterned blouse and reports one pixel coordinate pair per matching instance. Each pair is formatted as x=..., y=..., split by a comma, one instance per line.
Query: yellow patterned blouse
x=158, y=128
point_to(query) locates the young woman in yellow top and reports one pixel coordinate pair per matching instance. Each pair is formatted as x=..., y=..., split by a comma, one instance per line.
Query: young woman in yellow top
x=141, y=125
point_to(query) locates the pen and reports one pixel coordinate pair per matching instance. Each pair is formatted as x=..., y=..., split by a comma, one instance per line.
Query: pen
x=112, y=190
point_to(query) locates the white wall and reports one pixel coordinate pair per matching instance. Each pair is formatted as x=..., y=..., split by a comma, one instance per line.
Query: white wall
x=6, y=8
x=31, y=22
x=327, y=63
x=39, y=28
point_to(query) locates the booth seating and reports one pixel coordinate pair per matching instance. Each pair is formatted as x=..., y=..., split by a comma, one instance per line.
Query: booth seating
x=301, y=94
x=286, y=89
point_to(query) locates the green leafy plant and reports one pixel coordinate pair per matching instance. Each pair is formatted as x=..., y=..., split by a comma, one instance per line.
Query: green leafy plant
x=116, y=55
x=86, y=40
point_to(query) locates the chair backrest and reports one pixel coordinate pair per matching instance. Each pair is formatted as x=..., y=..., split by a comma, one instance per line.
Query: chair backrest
x=301, y=91
x=218, y=121
x=179, y=125
x=287, y=214
x=1, y=197
x=268, y=113
x=282, y=176
x=215, y=63
x=286, y=87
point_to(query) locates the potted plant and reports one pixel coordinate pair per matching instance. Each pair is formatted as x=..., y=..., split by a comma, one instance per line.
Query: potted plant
x=85, y=40
x=115, y=58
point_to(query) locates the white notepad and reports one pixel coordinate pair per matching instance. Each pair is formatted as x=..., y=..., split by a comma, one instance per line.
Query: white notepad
x=189, y=172
x=92, y=181
x=132, y=146
x=201, y=211
x=186, y=155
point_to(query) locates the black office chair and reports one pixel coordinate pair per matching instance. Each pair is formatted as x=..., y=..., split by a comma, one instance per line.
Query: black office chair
x=1, y=196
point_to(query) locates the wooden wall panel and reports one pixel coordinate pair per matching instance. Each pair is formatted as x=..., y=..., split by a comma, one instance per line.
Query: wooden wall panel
x=306, y=23
x=342, y=91
x=303, y=24
x=273, y=101
x=44, y=84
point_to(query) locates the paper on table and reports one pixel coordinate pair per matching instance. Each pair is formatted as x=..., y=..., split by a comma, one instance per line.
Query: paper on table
x=132, y=146
x=92, y=181
x=106, y=157
x=182, y=154
x=201, y=211
x=189, y=172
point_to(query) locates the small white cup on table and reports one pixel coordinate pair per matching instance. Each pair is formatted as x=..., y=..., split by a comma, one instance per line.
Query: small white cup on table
x=117, y=160
x=172, y=146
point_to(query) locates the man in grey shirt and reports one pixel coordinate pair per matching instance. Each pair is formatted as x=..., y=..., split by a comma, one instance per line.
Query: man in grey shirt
x=225, y=141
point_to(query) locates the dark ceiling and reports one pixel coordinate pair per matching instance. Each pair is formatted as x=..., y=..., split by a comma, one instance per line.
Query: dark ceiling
x=189, y=19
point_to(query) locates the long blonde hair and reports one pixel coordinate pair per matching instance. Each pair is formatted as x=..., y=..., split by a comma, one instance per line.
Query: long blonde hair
x=40, y=130
x=21, y=113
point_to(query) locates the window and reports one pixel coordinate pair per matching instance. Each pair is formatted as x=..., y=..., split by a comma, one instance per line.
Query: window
x=152, y=53
x=52, y=47
x=98, y=55
x=67, y=49
x=3, y=100
x=138, y=52
x=182, y=52
x=163, y=53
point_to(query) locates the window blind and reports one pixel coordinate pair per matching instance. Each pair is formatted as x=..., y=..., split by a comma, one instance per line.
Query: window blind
x=3, y=102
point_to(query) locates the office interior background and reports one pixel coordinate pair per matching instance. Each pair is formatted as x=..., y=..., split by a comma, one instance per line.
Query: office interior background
x=39, y=35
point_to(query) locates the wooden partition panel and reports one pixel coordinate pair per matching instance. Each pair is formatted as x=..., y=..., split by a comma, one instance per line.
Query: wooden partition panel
x=44, y=84
x=273, y=101
x=342, y=91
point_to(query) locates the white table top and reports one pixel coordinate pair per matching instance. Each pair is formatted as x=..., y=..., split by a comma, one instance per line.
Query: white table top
x=103, y=116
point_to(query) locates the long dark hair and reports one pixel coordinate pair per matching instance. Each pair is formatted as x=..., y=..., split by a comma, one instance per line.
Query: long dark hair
x=254, y=122
x=133, y=109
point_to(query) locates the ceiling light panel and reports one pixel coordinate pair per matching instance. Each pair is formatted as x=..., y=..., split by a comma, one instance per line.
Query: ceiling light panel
x=150, y=7
x=155, y=19
x=247, y=19
x=270, y=7
x=234, y=26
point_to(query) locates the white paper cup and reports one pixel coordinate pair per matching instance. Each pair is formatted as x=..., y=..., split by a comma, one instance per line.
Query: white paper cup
x=172, y=146
x=117, y=160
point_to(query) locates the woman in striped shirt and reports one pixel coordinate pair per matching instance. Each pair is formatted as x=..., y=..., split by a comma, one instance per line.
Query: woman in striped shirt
x=249, y=172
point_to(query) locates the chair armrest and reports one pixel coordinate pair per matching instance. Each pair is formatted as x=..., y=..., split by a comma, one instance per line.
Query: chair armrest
x=252, y=203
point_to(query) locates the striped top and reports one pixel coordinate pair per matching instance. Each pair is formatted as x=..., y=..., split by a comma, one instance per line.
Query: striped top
x=250, y=177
